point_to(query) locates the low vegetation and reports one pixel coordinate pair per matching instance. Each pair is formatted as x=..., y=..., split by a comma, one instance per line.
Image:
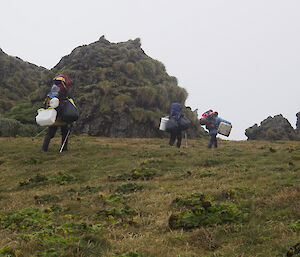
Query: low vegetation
x=17, y=81
x=119, y=90
x=141, y=198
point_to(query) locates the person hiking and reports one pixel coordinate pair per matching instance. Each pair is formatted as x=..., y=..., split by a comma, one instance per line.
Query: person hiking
x=60, y=89
x=175, y=113
x=211, y=120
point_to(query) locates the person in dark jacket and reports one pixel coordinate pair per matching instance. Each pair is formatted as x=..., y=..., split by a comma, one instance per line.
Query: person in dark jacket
x=176, y=113
x=60, y=90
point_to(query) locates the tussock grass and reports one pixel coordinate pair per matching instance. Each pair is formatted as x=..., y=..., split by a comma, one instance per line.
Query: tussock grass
x=113, y=197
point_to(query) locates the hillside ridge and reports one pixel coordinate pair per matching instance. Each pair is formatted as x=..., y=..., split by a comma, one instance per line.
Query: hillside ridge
x=120, y=91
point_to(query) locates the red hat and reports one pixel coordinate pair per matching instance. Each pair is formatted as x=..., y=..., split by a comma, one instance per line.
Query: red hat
x=63, y=82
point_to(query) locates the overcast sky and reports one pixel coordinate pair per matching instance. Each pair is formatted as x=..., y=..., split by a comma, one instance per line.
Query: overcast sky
x=240, y=58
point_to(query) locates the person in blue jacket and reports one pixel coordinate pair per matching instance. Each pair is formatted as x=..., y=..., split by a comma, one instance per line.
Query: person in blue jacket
x=212, y=127
x=176, y=113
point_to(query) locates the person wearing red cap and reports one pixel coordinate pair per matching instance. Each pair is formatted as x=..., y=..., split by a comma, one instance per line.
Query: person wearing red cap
x=60, y=89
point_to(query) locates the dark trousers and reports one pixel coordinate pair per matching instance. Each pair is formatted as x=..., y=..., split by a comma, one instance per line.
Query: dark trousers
x=213, y=141
x=176, y=134
x=51, y=133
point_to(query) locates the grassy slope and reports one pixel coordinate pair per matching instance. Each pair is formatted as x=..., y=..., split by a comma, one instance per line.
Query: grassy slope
x=261, y=178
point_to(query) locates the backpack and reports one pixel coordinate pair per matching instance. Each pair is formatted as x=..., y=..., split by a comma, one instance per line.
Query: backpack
x=69, y=112
x=209, y=115
x=172, y=124
x=208, y=119
x=184, y=123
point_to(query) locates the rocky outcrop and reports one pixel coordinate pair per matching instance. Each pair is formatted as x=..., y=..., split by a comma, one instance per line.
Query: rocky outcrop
x=119, y=90
x=272, y=128
x=298, y=123
x=18, y=79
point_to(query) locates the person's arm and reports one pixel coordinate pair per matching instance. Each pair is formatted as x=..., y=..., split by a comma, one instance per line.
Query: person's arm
x=46, y=102
x=218, y=120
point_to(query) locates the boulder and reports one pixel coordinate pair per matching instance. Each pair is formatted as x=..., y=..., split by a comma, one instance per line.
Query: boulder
x=272, y=128
x=298, y=123
x=122, y=92
x=119, y=90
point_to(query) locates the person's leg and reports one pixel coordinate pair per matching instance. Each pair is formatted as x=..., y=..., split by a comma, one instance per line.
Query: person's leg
x=64, y=132
x=211, y=141
x=50, y=134
x=179, y=138
x=215, y=141
x=172, y=137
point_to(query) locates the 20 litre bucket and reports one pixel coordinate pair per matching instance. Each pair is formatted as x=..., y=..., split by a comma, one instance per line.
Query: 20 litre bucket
x=163, y=123
x=224, y=129
x=46, y=117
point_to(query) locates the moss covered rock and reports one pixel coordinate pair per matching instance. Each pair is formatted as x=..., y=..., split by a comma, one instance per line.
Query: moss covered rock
x=120, y=91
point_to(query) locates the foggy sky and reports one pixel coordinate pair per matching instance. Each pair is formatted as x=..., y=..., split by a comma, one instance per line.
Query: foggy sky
x=240, y=58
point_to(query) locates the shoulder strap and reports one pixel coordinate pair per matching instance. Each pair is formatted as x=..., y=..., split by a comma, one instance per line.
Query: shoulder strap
x=47, y=102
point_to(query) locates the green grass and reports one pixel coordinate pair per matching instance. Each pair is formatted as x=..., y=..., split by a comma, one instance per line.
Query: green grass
x=117, y=197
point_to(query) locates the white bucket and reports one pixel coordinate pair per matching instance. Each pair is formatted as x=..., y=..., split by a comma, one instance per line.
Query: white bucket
x=224, y=129
x=46, y=117
x=54, y=102
x=163, y=123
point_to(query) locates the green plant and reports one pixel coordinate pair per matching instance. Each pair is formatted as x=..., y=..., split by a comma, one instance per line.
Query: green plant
x=198, y=211
x=295, y=226
x=63, y=178
x=8, y=127
x=24, y=112
x=138, y=173
x=124, y=215
x=34, y=180
x=115, y=198
x=47, y=198
x=129, y=188
x=7, y=252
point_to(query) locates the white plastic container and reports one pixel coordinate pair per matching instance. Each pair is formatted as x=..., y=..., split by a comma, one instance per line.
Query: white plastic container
x=54, y=102
x=46, y=117
x=163, y=123
x=224, y=129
